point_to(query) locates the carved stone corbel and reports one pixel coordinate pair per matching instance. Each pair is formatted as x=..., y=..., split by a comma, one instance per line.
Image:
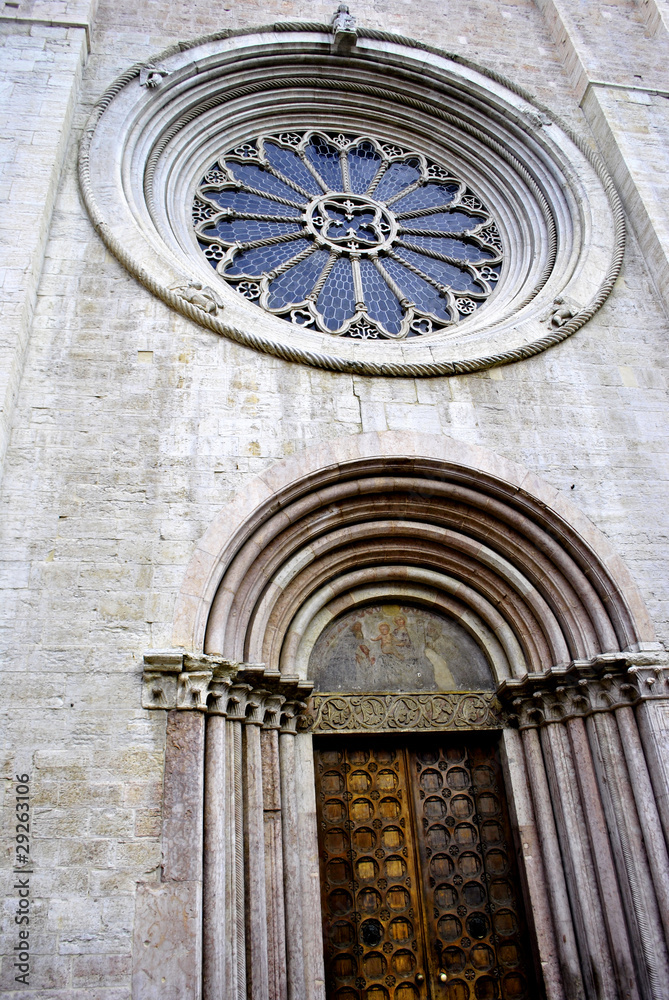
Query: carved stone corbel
x=344, y=29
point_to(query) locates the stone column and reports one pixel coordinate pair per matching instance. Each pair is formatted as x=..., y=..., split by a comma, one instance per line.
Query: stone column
x=652, y=714
x=611, y=839
x=216, y=970
x=257, y=965
x=167, y=945
x=539, y=912
x=641, y=908
x=235, y=964
x=291, y=852
x=570, y=966
x=219, y=917
x=647, y=809
x=215, y=922
x=580, y=864
x=274, y=875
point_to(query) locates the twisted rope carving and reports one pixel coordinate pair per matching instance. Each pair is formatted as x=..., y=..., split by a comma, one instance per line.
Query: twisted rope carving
x=315, y=358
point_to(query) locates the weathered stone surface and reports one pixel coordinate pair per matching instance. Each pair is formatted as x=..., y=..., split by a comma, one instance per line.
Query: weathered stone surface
x=166, y=966
x=128, y=429
x=183, y=798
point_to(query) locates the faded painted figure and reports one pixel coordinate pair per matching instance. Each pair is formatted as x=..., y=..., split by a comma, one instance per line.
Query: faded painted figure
x=397, y=648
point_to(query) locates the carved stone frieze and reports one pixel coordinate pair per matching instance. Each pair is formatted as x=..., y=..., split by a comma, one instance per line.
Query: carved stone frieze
x=607, y=682
x=174, y=679
x=396, y=713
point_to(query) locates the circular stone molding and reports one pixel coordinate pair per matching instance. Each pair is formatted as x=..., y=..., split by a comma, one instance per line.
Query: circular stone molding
x=547, y=199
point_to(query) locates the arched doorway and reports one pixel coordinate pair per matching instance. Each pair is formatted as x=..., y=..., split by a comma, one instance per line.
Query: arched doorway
x=451, y=530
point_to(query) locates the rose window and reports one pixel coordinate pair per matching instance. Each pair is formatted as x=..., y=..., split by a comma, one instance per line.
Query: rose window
x=347, y=234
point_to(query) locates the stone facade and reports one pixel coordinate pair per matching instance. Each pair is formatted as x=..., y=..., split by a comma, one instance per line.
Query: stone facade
x=142, y=451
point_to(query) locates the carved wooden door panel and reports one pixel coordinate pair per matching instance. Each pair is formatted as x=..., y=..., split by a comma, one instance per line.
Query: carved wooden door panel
x=419, y=884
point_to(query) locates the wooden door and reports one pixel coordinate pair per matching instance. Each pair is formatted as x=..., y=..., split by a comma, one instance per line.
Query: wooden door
x=419, y=884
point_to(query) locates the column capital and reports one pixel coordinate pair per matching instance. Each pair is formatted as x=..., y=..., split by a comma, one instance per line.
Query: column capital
x=175, y=679
x=584, y=687
x=290, y=715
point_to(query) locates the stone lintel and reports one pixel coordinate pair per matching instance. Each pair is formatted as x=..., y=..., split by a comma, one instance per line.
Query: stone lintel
x=408, y=712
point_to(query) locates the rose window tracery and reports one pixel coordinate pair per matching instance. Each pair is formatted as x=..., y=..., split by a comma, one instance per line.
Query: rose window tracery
x=347, y=234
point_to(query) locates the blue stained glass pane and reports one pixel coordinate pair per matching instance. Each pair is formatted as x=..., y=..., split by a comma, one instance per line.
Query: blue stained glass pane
x=426, y=197
x=363, y=165
x=259, y=260
x=397, y=177
x=445, y=274
x=451, y=248
x=325, y=158
x=247, y=230
x=289, y=163
x=336, y=302
x=447, y=222
x=426, y=297
x=293, y=286
x=381, y=302
x=259, y=178
x=252, y=203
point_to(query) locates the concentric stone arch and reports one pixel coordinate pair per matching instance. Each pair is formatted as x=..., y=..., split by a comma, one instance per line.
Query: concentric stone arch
x=447, y=524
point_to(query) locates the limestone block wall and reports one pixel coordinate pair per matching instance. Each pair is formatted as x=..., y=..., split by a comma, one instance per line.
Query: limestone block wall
x=44, y=48
x=129, y=427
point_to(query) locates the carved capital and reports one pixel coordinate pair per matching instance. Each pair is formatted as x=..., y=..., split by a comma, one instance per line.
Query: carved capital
x=255, y=706
x=273, y=705
x=174, y=679
x=291, y=712
x=159, y=690
x=584, y=687
x=192, y=689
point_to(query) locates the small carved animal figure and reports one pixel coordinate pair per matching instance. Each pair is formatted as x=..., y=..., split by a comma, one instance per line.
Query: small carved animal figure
x=561, y=313
x=151, y=76
x=200, y=295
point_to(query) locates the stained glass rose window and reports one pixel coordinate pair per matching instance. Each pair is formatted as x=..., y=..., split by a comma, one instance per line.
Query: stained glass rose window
x=347, y=234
